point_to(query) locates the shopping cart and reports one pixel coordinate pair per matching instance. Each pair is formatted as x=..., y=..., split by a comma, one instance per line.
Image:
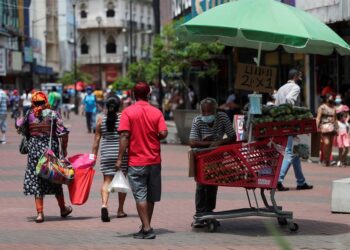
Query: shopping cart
x=248, y=165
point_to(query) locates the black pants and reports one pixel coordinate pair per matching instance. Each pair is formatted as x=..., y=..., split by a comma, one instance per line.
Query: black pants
x=89, y=117
x=205, y=198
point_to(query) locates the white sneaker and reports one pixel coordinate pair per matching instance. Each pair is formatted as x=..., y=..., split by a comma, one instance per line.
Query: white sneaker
x=339, y=164
x=2, y=142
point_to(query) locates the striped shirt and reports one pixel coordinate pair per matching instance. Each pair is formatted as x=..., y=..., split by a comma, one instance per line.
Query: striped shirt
x=3, y=102
x=201, y=131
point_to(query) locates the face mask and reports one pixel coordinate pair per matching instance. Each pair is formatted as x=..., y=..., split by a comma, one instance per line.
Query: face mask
x=208, y=118
x=337, y=101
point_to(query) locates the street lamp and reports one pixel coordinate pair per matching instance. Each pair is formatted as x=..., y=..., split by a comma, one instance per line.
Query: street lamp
x=76, y=102
x=99, y=20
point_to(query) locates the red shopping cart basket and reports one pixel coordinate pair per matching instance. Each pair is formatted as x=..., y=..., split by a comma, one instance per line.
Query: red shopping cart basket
x=253, y=165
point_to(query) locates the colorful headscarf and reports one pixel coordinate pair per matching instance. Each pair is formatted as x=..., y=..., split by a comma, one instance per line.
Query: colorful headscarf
x=39, y=96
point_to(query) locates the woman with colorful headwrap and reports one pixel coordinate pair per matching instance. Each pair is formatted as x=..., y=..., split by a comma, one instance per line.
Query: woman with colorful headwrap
x=36, y=126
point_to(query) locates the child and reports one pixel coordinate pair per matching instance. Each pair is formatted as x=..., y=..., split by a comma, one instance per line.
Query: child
x=343, y=141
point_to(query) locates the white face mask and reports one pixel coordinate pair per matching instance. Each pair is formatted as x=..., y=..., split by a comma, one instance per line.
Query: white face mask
x=208, y=118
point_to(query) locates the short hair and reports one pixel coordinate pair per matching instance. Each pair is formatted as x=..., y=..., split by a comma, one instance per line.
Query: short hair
x=141, y=90
x=292, y=73
x=208, y=100
x=54, y=88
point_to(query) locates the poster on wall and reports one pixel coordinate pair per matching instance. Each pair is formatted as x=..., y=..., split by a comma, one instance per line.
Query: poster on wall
x=252, y=78
x=3, y=62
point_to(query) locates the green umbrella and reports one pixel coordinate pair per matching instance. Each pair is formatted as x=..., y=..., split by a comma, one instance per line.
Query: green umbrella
x=263, y=25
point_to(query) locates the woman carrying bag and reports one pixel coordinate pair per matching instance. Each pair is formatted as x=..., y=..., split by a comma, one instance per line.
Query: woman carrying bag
x=36, y=126
x=107, y=129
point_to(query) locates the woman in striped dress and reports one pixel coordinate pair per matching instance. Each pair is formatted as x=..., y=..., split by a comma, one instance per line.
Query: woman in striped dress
x=107, y=130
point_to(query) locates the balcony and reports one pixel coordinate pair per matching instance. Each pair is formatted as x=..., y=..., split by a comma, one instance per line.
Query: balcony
x=105, y=59
x=106, y=23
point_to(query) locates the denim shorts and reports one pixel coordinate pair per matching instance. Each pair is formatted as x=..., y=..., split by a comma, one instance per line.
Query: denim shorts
x=145, y=182
x=3, y=123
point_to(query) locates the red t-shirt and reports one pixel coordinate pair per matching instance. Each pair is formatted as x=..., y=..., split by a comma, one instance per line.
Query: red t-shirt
x=143, y=122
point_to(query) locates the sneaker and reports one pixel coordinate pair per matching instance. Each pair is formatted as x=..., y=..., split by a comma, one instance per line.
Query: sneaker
x=333, y=163
x=143, y=234
x=280, y=187
x=339, y=164
x=2, y=142
x=199, y=223
x=305, y=186
x=148, y=235
x=139, y=234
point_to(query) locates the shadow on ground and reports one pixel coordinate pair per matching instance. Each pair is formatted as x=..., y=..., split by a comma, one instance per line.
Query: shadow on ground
x=257, y=227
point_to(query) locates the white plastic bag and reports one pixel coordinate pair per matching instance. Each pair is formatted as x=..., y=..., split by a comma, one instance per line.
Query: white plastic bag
x=119, y=183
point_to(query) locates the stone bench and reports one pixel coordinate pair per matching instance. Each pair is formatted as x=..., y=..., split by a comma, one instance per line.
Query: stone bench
x=341, y=196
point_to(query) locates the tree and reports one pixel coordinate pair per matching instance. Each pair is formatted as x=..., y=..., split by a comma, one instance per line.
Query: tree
x=68, y=77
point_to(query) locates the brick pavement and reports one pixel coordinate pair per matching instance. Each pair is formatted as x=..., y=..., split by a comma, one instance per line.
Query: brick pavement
x=319, y=228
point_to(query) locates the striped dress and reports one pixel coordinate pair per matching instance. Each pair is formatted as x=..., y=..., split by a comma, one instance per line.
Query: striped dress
x=110, y=149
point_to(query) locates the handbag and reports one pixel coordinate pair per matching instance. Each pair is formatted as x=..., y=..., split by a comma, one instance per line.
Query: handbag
x=23, y=147
x=119, y=183
x=53, y=169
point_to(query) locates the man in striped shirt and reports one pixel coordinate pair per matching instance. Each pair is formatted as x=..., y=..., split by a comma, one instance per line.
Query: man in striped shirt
x=208, y=130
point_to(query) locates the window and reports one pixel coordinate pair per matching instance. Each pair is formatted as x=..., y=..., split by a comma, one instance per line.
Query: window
x=111, y=47
x=110, y=10
x=83, y=13
x=84, y=47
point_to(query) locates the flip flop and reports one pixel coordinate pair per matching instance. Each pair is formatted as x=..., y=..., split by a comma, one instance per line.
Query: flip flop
x=122, y=215
x=67, y=211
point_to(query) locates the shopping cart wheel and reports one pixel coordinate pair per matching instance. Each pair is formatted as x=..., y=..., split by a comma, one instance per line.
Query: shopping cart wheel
x=212, y=225
x=293, y=227
x=282, y=221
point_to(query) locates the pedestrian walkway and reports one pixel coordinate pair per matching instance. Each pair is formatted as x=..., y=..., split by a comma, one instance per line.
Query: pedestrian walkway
x=318, y=227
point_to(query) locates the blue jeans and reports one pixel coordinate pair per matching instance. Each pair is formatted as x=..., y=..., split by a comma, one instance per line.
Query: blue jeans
x=289, y=159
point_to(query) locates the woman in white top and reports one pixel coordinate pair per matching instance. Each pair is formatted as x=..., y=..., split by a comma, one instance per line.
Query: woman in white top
x=26, y=101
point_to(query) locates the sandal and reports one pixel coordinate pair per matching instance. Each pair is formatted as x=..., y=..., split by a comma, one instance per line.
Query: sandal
x=104, y=215
x=40, y=218
x=122, y=215
x=67, y=211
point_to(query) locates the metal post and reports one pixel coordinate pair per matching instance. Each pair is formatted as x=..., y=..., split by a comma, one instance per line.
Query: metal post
x=99, y=19
x=46, y=76
x=130, y=33
x=76, y=101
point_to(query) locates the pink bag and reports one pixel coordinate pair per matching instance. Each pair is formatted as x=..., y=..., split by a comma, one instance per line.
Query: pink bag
x=82, y=161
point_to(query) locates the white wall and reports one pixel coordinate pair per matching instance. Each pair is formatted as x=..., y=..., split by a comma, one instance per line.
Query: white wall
x=328, y=11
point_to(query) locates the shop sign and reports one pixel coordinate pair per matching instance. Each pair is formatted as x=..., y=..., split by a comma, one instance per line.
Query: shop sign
x=199, y=6
x=3, y=62
x=16, y=61
x=252, y=78
x=28, y=55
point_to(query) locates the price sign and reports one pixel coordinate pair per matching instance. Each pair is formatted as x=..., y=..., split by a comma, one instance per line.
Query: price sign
x=252, y=78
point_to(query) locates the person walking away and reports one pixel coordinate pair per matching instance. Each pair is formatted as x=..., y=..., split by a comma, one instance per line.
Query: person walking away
x=3, y=115
x=55, y=99
x=90, y=109
x=208, y=130
x=342, y=138
x=327, y=125
x=290, y=93
x=107, y=130
x=66, y=104
x=36, y=126
x=26, y=101
x=99, y=99
x=142, y=127
x=15, y=103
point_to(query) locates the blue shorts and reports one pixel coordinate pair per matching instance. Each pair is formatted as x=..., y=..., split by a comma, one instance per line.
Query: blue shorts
x=145, y=182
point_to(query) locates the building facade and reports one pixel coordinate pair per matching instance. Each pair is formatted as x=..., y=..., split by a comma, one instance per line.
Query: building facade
x=66, y=35
x=106, y=40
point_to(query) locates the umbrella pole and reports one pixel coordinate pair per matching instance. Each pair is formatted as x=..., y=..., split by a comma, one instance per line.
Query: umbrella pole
x=259, y=54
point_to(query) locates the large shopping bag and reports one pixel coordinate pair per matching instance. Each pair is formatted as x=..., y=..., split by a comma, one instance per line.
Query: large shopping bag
x=79, y=188
x=119, y=183
x=53, y=169
x=82, y=161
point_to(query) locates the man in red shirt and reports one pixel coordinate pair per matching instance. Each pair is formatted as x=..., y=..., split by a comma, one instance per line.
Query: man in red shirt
x=142, y=126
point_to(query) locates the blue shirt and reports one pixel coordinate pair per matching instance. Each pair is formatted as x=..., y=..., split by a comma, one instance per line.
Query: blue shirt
x=90, y=103
x=3, y=103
